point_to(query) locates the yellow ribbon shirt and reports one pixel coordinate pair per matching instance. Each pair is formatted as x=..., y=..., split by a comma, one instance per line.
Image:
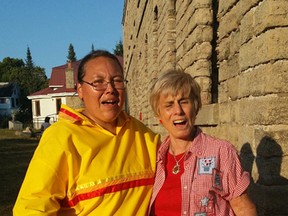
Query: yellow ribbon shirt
x=79, y=168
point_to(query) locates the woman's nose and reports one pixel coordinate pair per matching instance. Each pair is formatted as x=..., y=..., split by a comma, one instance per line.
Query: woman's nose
x=178, y=109
x=110, y=87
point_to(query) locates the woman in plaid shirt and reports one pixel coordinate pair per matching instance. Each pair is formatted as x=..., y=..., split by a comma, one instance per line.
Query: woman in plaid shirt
x=196, y=174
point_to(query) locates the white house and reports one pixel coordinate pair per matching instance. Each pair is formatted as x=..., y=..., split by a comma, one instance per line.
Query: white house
x=9, y=98
x=62, y=89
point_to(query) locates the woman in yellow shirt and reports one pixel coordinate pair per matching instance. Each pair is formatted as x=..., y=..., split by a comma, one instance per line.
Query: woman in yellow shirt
x=94, y=161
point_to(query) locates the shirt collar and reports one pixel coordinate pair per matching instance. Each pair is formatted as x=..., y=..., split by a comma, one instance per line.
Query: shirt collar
x=75, y=116
x=197, y=146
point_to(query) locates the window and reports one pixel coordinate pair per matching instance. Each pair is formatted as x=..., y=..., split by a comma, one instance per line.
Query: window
x=37, y=108
x=58, y=104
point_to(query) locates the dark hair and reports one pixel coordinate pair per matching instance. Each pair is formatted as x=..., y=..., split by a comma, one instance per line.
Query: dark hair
x=93, y=55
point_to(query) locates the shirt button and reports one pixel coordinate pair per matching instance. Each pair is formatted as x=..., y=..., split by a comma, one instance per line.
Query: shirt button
x=185, y=187
x=185, y=212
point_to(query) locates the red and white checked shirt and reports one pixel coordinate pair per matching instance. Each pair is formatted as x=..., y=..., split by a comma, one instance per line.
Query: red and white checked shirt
x=212, y=176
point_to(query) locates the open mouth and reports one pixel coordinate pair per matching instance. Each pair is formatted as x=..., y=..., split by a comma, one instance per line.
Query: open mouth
x=111, y=102
x=179, y=122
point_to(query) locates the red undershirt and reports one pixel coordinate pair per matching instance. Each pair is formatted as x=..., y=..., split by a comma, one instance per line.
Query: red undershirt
x=168, y=200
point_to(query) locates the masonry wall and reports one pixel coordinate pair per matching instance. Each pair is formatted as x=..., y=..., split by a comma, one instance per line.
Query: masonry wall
x=238, y=53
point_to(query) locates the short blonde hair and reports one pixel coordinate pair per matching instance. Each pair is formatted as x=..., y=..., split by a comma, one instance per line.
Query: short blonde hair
x=175, y=82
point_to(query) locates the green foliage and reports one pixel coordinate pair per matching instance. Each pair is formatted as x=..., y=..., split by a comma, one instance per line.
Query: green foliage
x=29, y=77
x=10, y=67
x=71, y=54
x=29, y=62
x=118, y=48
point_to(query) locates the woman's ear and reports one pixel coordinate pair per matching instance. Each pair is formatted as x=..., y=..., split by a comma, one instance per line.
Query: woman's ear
x=79, y=91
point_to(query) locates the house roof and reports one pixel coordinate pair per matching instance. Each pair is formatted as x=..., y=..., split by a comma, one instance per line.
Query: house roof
x=6, y=89
x=57, y=82
x=58, y=74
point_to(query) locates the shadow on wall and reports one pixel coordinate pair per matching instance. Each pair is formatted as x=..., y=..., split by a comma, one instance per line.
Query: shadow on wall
x=270, y=191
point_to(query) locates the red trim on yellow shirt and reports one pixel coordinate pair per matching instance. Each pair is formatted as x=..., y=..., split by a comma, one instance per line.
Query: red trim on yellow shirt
x=70, y=114
x=109, y=189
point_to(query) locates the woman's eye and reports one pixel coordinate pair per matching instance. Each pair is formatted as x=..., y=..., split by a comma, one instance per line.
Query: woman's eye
x=98, y=82
x=184, y=102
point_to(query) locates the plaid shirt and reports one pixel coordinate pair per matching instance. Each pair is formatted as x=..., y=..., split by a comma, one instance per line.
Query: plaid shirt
x=212, y=176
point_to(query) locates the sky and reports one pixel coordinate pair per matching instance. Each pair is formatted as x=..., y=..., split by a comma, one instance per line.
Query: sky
x=47, y=27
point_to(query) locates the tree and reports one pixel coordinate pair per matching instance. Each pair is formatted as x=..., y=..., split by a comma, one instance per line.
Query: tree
x=71, y=54
x=29, y=77
x=118, y=49
x=9, y=67
x=92, y=48
x=29, y=62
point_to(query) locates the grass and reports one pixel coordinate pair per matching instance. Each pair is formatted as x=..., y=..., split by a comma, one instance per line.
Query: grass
x=15, y=154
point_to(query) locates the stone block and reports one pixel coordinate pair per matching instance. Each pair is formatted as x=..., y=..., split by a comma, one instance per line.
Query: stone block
x=264, y=79
x=225, y=6
x=230, y=132
x=229, y=68
x=246, y=139
x=270, y=14
x=247, y=5
x=204, y=82
x=199, y=18
x=201, y=67
x=230, y=22
x=235, y=43
x=247, y=27
x=272, y=45
x=233, y=88
x=206, y=97
x=201, y=3
x=223, y=49
x=208, y=115
x=187, y=23
x=223, y=92
x=203, y=16
x=199, y=34
x=266, y=110
x=228, y=113
x=202, y=51
x=179, y=53
x=228, y=90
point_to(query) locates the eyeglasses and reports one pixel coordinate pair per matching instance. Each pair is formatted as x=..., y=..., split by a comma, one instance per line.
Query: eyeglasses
x=101, y=85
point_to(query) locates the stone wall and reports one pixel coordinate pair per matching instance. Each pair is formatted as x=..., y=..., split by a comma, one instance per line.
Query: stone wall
x=238, y=53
